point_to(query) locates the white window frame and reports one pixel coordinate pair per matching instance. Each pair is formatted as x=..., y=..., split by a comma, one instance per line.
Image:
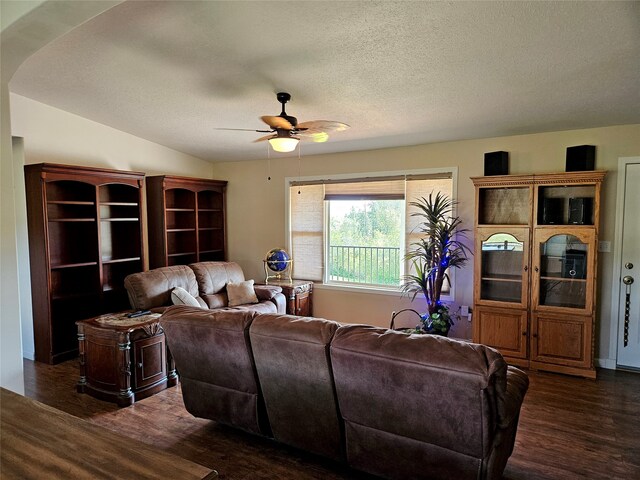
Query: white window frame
x=361, y=288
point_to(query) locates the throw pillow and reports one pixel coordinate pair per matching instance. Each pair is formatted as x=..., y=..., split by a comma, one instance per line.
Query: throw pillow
x=241, y=293
x=179, y=296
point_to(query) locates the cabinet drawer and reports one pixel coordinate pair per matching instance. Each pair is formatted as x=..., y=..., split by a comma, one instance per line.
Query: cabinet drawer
x=503, y=329
x=562, y=339
x=303, y=304
x=149, y=361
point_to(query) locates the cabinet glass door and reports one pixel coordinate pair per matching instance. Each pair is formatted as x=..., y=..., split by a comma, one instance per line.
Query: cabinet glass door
x=563, y=273
x=503, y=266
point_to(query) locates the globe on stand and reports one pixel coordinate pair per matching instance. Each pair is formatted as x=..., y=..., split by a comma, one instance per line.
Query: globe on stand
x=279, y=263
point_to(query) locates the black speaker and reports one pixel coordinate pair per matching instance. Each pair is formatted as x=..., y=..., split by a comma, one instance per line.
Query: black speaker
x=574, y=264
x=552, y=211
x=581, y=157
x=496, y=163
x=580, y=210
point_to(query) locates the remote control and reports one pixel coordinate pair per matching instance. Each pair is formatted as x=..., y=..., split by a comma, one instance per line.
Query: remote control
x=139, y=313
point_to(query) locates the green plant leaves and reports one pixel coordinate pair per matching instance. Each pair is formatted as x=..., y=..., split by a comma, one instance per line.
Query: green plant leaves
x=437, y=251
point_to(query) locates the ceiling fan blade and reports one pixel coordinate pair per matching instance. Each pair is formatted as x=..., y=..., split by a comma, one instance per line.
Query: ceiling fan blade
x=318, y=126
x=262, y=139
x=245, y=130
x=318, y=137
x=276, y=122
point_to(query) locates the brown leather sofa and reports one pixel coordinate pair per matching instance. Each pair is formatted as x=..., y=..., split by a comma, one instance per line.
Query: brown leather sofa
x=205, y=281
x=395, y=405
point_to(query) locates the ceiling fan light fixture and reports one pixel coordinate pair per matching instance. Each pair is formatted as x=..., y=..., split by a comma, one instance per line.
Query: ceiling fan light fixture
x=284, y=144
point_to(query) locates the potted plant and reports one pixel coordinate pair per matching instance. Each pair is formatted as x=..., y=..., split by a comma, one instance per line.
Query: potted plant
x=437, y=251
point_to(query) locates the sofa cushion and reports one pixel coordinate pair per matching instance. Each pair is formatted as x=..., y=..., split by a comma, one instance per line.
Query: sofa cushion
x=217, y=372
x=212, y=277
x=262, y=307
x=241, y=293
x=179, y=296
x=433, y=390
x=292, y=359
x=266, y=292
x=152, y=289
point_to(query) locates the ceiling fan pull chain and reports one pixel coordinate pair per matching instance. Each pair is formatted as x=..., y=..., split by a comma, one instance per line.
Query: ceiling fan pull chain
x=299, y=162
x=268, y=163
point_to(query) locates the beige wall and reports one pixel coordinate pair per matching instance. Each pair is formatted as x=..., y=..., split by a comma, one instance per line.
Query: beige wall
x=256, y=220
x=26, y=27
x=55, y=136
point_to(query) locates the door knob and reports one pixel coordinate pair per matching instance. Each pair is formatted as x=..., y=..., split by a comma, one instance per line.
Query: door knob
x=628, y=265
x=627, y=279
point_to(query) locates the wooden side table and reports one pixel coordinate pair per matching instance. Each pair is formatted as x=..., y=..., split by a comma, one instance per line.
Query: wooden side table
x=109, y=346
x=299, y=295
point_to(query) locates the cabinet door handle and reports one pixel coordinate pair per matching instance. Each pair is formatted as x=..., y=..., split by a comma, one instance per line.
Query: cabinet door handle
x=535, y=335
x=139, y=364
x=526, y=268
x=524, y=334
x=536, y=269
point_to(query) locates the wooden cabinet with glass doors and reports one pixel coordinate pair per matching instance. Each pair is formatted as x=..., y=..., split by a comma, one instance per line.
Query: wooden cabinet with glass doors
x=535, y=268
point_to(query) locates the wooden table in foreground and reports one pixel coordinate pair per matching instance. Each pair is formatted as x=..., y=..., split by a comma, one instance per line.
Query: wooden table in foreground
x=39, y=442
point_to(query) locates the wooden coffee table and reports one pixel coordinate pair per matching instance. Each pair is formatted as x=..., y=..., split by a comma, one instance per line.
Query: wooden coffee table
x=124, y=359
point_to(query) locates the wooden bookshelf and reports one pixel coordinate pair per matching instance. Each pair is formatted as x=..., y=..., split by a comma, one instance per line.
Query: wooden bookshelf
x=186, y=220
x=85, y=236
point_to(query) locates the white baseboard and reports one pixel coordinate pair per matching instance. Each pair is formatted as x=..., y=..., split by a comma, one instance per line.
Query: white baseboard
x=29, y=355
x=608, y=363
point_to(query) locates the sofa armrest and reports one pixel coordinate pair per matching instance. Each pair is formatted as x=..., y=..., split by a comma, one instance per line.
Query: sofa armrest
x=266, y=292
x=517, y=385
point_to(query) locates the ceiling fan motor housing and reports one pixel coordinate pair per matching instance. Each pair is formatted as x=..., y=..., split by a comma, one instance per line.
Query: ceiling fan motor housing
x=284, y=97
x=285, y=127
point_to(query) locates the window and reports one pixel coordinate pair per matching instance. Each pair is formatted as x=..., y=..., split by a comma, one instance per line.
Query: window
x=364, y=241
x=355, y=231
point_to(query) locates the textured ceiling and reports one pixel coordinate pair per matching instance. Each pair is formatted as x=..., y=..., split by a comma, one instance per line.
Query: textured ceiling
x=400, y=73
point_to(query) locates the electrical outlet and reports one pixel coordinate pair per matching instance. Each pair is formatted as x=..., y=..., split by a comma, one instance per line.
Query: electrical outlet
x=464, y=310
x=604, y=246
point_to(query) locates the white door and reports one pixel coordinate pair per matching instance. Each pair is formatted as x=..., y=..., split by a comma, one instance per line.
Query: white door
x=629, y=301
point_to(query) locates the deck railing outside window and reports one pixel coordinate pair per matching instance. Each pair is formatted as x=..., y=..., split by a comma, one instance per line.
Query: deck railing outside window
x=364, y=265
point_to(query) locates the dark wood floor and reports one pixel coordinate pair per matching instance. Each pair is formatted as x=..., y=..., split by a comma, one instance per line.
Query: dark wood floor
x=570, y=428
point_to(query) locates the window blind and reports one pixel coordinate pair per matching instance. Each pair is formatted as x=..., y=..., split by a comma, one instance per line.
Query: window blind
x=365, y=190
x=306, y=226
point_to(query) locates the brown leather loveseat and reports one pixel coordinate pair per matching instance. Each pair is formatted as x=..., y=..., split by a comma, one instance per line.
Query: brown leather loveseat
x=204, y=281
x=385, y=402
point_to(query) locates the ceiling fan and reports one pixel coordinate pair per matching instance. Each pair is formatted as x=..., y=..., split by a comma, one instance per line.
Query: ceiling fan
x=285, y=131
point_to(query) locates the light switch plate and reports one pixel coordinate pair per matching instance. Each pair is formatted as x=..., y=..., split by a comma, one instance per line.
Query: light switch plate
x=604, y=246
